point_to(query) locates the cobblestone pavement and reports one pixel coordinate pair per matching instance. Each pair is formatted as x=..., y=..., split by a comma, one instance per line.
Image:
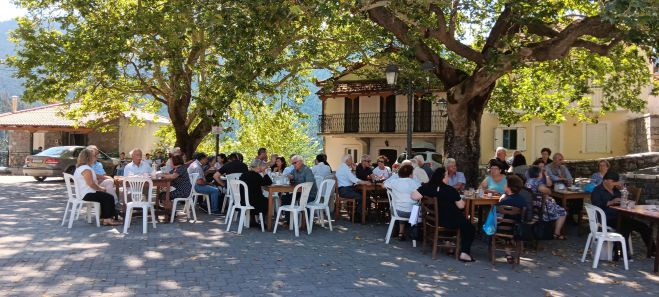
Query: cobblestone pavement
x=38, y=257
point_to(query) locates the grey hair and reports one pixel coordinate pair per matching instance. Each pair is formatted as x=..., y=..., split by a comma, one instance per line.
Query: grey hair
x=450, y=161
x=498, y=150
x=134, y=151
x=297, y=158
x=92, y=147
x=345, y=158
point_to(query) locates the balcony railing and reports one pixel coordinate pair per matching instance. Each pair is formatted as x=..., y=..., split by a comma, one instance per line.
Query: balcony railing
x=382, y=122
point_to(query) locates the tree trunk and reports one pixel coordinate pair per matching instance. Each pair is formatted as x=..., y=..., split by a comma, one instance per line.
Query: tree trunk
x=462, y=136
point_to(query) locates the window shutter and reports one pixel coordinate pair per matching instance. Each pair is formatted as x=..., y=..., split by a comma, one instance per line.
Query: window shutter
x=498, y=137
x=521, y=139
x=597, y=138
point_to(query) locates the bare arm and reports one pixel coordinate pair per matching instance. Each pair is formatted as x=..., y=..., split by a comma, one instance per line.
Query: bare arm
x=89, y=180
x=460, y=204
x=416, y=196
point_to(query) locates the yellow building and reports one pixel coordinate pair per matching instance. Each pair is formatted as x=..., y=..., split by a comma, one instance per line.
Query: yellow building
x=365, y=116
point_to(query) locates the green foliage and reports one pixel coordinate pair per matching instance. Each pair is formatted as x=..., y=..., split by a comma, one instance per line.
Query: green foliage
x=553, y=89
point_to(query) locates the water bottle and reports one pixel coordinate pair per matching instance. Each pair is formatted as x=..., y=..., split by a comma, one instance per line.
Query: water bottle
x=625, y=195
x=479, y=194
x=154, y=168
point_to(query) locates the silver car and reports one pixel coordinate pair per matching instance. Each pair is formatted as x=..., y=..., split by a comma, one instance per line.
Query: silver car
x=59, y=159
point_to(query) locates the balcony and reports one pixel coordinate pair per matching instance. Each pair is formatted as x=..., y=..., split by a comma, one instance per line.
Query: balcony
x=376, y=122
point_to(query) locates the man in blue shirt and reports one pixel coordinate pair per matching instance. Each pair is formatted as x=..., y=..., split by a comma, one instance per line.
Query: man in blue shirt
x=105, y=181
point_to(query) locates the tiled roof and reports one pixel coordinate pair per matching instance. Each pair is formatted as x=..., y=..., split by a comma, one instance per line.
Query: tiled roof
x=360, y=87
x=50, y=116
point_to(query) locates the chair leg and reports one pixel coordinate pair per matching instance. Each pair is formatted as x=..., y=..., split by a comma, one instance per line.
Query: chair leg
x=129, y=216
x=458, y=245
x=520, y=247
x=337, y=207
x=226, y=218
x=354, y=206
x=153, y=216
x=598, y=251
x=493, y=248
x=389, y=230
x=208, y=203
x=435, y=238
x=294, y=214
x=194, y=213
x=585, y=250
x=229, y=217
x=310, y=223
x=329, y=218
x=72, y=214
x=88, y=214
x=624, y=253
x=309, y=220
x=145, y=221
x=274, y=231
x=262, y=223
x=241, y=221
x=171, y=218
x=97, y=212
x=66, y=209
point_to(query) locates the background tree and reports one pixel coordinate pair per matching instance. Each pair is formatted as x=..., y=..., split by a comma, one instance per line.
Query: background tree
x=544, y=54
x=113, y=56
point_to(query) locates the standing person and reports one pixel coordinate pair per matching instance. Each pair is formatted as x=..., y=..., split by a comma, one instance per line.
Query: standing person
x=321, y=168
x=147, y=159
x=234, y=165
x=255, y=181
x=545, y=153
x=364, y=170
x=500, y=160
x=346, y=181
x=454, y=178
x=423, y=165
x=201, y=186
x=90, y=190
x=122, y=164
x=451, y=210
x=381, y=171
x=558, y=172
x=262, y=155
x=404, y=195
x=607, y=194
x=495, y=183
x=137, y=167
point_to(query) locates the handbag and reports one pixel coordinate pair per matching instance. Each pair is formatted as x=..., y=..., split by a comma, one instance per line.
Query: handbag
x=490, y=226
x=414, y=215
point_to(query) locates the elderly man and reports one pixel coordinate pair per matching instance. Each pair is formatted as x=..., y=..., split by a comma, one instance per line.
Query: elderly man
x=201, y=186
x=423, y=165
x=558, y=172
x=418, y=174
x=454, y=178
x=302, y=174
x=137, y=166
x=364, y=170
x=500, y=160
x=105, y=181
x=346, y=180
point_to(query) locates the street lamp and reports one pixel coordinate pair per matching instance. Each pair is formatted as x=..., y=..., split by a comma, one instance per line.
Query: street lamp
x=216, y=130
x=391, y=74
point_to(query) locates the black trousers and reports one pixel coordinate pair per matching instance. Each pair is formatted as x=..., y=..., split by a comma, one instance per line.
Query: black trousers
x=467, y=234
x=107, y=203
x=627, y=225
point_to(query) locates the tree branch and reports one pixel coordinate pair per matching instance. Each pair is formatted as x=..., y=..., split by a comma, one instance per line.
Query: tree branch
x=453, y=17
x=449, y=40
x=501, y=27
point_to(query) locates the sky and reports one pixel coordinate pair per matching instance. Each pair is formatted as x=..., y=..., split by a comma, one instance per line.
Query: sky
x=9, y=11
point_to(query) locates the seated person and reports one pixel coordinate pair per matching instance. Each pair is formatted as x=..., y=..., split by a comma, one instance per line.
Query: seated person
x=279, y=165
x=381, y=171
x=404, y=194
x=558, y=172
x=90, y=190
x=235, y=165
x=255, y=182
x=519, y=166
x=607, y=194
x=454, y=178
x=181, y=180
x=516, y=196
x=418, y=174
x=597, y=177
x=137, y=167
x=201, y=186
x=104, y=180
x=500, y=160
x=346, y=180
x=494, y=183
x=364, y=170
x=552, y=211
x=451, y=213
x=321, y=168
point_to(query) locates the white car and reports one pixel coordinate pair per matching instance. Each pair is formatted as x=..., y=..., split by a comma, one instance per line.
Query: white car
x=434, y=158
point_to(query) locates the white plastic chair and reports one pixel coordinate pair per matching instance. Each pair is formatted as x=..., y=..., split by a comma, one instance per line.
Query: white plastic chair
x=321, y=204
x=394, y=218
x=75, y=203
x=134, y=189
x=193, y=179
x=296, y=209
x=229, y=195
x=597, y=218
x=235, y=186
x=188, y=206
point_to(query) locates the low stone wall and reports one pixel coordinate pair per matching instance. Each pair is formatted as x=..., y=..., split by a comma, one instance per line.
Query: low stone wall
x=622, y=164
x=643, y=134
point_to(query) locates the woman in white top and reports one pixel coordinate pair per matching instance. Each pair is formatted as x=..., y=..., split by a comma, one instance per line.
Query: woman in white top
x=404, y=194
x=382, y=172
x=321, y=168
x=89, y=188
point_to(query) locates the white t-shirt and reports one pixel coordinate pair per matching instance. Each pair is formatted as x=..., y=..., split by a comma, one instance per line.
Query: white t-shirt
x=132, y=169
x=83, y=187
x=321, y=169
x=401, y=190
x=382, y=173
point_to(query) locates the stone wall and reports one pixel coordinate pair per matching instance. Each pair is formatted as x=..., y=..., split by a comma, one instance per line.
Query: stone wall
x=19, y=147
x=644, y=134
x=108, y=142
x=622, y=164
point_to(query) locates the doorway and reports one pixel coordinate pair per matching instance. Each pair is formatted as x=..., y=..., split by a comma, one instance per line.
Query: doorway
x=547, y=136
x=390, y=154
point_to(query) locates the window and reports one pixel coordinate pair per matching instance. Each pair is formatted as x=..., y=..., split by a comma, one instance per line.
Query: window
x=510, y=138
x=353, y=153
x=596, y=138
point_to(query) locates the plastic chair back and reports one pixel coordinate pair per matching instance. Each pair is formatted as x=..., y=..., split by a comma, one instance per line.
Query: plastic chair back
x=304, y=196
x=235, y=185
x=230, y=177
x=392, y=206
x=596, y=218
x=134, y=188
x=325, y=191
x=71, y=187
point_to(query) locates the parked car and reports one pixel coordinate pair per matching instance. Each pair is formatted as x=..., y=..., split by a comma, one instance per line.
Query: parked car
x=55, y=161
x=431, y=157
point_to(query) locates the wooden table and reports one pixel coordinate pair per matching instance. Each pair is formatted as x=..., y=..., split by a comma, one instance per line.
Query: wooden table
x=565, y=196
x=365, y=188
x=159, y=183
x=471, y=203
x=648, y=212
x=276, y=189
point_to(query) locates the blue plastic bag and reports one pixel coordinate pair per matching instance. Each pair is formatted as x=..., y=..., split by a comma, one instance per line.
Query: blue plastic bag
x=490, y=226
x=589, y=188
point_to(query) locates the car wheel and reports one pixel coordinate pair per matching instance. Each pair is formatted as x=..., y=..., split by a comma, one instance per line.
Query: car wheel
x=39, y=178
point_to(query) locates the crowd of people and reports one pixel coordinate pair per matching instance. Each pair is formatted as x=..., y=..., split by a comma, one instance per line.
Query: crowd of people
x=513, y=179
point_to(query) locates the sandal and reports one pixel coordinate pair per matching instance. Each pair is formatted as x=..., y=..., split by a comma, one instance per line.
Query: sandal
x=559, y=237
x=111, y=223
x=401, y=237
x=510, y=259
x=471, y=259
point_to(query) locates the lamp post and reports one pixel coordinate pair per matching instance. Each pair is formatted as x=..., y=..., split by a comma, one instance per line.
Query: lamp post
x=391, y=73
x=216, y=130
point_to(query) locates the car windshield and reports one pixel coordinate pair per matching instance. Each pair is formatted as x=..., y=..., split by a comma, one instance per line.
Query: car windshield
x=437, y=158
x=54, y=151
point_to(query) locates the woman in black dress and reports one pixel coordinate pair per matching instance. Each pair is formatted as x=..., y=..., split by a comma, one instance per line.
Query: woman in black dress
x=450, y=207
x=255, y=182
